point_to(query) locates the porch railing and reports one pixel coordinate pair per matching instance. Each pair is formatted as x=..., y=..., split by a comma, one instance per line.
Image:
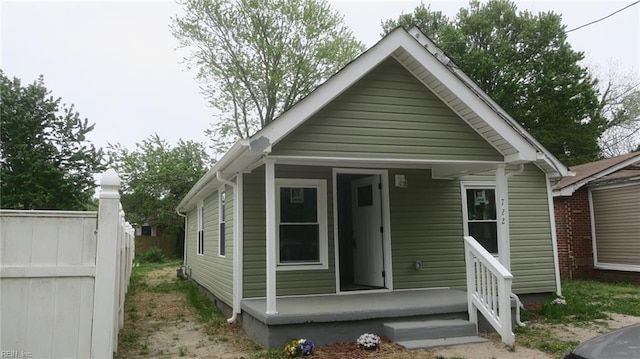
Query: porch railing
x=488, y=289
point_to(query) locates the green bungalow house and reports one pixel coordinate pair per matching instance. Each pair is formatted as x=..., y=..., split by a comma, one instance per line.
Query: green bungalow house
x=396, y=198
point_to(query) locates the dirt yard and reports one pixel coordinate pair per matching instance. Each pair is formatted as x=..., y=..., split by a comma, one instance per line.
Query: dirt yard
x=164, y=325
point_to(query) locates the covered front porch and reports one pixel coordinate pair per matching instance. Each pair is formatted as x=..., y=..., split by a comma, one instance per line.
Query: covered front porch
x=335, y=318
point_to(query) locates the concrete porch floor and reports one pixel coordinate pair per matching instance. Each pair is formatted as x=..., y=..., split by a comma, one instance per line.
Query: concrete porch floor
x=358, y=306
x=337, y=318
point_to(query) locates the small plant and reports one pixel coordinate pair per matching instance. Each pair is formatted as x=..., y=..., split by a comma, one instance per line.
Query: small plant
x=299, y=347
x=368, y=341
x=183, y=351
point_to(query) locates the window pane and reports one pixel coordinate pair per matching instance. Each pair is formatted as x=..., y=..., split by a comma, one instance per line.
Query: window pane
x=365, y=196
x=146, y=230
x=481, y=204
x=298, y=205
x=299, y=243
x=223, y=209
x=486, y=233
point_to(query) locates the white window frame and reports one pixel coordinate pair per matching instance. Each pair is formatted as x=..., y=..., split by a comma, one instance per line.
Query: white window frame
x=222, y=220
x=465, y=185
x=323, y=237
x=200, y=229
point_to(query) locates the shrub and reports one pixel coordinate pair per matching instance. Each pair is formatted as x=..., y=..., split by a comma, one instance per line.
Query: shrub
x=153, y=255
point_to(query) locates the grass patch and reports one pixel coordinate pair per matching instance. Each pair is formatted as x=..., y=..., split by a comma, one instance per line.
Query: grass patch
x=587, y=302
x=543, y=340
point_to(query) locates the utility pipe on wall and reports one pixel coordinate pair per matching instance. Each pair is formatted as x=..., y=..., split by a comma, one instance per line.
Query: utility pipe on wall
x=235, y=305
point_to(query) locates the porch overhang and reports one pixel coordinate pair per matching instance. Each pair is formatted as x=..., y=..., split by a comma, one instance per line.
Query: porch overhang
x=440, y=169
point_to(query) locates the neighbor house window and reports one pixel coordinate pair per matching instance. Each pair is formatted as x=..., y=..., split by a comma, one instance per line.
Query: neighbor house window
x=222, y=215
x=302, y=223
x=200, y=245
x=480, y=216
x=146, y=230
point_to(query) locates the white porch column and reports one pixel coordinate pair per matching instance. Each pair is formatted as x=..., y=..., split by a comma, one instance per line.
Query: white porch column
x=502, y=212
x=270, y=200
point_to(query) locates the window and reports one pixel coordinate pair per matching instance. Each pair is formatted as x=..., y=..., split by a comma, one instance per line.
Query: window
x=146, y=230
x=481, y=216
x=302, y=223
x=222, y=197
x=200, y=244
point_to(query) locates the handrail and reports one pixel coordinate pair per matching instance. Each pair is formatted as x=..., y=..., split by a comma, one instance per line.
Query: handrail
x=488, y=289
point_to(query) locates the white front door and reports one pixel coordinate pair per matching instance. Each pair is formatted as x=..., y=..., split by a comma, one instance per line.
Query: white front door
x=368, y=255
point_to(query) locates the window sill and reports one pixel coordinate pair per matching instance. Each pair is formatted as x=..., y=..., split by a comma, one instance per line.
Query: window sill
x=299, y=267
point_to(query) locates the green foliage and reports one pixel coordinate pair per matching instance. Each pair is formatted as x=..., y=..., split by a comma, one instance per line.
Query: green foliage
x=155, y=177
x=524, y=62
x=47, y=162
x=153, y=255
x=256, y=58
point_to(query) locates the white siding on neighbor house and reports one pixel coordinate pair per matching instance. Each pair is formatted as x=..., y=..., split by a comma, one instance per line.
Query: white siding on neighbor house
x=616, y=226
x=213, y=272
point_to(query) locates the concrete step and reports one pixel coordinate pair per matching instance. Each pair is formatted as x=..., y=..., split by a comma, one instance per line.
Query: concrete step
x=428, y=329
x=430, y=343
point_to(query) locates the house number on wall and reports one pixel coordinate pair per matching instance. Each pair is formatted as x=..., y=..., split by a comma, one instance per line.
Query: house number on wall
x=503, y=217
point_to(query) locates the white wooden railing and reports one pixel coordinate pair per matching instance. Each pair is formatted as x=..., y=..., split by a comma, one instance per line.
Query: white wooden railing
x=488, y=289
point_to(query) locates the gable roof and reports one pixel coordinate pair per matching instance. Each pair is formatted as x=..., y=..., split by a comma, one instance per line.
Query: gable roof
x=619, y=167
x=422, y=58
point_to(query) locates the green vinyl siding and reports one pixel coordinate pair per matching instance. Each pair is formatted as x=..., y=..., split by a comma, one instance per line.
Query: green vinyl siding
x=426, y=226
x=387, y=114
x=532, y=262
x=213, y=272
x=288, y=282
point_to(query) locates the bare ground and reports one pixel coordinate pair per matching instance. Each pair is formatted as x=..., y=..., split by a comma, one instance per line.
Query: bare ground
x=164, y=325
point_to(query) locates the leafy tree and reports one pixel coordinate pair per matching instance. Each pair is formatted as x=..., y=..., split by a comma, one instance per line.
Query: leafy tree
x=257, y=58
x=46, y=160
x=620, y=105
x=524, y=62
x=155, y=177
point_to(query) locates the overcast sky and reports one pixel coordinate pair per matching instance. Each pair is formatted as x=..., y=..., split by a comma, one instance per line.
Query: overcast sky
x=116, y=61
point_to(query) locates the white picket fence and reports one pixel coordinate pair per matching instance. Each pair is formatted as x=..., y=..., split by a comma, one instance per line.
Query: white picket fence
x=63, y=279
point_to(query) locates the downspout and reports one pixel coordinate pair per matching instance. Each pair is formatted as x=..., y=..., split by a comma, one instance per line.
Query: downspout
x=235, y=307
x=184, y=254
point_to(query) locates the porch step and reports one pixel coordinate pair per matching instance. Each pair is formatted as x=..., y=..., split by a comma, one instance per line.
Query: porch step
x=431, y=333
x=428, y=329
x=430, y=343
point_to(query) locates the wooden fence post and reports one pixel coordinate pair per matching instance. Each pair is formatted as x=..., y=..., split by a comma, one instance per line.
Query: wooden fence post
x=105, y=293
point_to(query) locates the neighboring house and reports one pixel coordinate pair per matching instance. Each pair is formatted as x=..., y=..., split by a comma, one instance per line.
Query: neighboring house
x=351, y=207
x=598, y=220
x=148, y=237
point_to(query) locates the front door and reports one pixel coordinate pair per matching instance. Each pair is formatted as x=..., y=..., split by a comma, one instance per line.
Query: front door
x=368, y=253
